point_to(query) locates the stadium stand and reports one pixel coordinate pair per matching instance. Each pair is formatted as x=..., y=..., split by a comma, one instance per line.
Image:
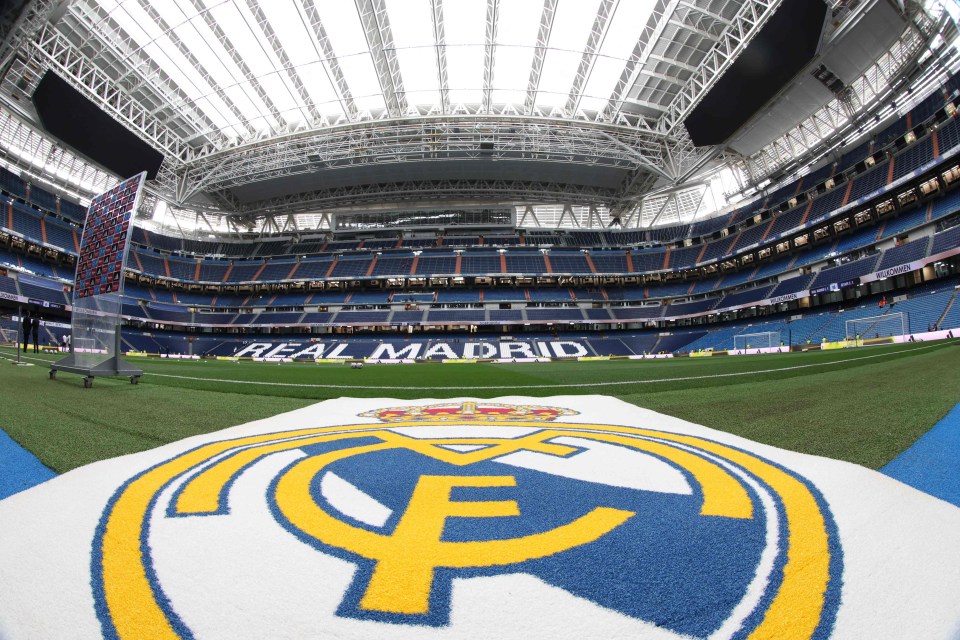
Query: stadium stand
x=845, y=272
x=904, y=253
x=746, y=297
x=792, y=285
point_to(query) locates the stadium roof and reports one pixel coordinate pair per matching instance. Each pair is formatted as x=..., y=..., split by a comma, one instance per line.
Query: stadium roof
x=266, y=108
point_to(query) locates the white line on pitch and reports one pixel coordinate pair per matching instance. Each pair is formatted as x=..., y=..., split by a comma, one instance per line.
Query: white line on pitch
x=534, y=386
x=540, y=386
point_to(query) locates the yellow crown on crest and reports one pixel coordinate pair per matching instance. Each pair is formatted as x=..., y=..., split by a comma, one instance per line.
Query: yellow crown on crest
x=469, y=412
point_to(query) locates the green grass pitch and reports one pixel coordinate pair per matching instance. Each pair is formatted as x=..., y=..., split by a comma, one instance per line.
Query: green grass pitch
x=863, y=405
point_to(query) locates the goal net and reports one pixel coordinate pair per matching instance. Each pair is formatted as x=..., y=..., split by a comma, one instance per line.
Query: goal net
x=888, y=325
x=761, y=340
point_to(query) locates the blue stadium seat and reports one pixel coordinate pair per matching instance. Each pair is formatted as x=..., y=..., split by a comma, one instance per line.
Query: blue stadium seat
x=904, y=254
x=913, y=157
x=846, y=271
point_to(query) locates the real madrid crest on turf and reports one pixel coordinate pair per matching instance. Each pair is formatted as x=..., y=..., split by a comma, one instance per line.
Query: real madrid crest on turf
x=681, y=534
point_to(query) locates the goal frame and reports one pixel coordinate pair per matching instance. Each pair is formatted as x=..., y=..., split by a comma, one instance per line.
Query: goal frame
x=868, y=323
x=773, y=340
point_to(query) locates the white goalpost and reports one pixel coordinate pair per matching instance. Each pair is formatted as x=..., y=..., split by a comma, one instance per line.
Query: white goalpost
x=760, y=340
x=889, y=325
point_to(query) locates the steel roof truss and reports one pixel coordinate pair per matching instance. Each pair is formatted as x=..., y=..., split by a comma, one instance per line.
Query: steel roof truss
x=440, y=44
x=185, y=51
x=330, y=62
x=416, y=191
x=376, y=27
x=139, y=71
x=489, y=51
x=750, y=17
x=275, y=43
x=80, y=72
x=651, y=34
x=539, y=53
x=594, y=40
x=238, y=60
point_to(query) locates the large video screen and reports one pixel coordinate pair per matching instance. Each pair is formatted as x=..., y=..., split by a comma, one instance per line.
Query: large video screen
x=104, y=241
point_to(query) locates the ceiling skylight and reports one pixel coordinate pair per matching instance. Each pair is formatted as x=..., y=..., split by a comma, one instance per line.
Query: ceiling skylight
x=250, y=67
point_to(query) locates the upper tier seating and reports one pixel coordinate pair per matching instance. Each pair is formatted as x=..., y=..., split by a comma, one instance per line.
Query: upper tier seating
x=792, y=285
x=429, y=265
x=692, y=307
x=351, y=267
x=574, y=263
x=904, y=254
x=392, y=265
x=947, y=239
x=868, y=182
x=480, y=264
x=746, y=297
x=845, y=272
x=913, y=157
x=635, y=313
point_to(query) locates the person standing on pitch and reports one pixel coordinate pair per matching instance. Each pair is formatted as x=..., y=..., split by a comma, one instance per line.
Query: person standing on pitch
x=25, y=330
x=36, y=334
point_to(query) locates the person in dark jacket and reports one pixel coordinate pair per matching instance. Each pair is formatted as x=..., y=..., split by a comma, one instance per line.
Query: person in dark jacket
x=36, y=334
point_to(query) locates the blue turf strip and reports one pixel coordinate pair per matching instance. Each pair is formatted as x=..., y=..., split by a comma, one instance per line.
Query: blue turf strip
x=932, y=464
x=19, y=469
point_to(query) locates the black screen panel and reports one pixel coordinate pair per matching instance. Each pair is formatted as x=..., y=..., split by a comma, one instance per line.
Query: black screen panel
x=81, y=124
x=782, y=48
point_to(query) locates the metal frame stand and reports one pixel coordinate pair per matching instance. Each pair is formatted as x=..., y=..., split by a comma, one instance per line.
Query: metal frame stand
x=19, y=362
x=111, y=367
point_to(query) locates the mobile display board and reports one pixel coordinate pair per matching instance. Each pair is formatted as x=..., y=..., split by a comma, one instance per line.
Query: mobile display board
x=98, y=286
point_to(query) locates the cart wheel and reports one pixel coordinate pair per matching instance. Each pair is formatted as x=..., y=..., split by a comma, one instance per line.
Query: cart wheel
x=87, y=382
x=134, y=379
x=53, y=374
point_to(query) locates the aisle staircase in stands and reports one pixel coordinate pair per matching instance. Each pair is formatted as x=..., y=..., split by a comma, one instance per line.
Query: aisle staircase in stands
x=946, y=310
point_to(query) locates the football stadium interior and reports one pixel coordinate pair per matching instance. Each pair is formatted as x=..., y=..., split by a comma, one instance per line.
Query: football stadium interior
x=742, y=213
x=341, y=181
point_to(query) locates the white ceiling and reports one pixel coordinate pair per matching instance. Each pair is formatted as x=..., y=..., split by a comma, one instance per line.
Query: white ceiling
x=259, y=66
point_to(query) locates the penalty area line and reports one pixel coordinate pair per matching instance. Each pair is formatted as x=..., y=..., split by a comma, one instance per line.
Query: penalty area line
x=540, y=386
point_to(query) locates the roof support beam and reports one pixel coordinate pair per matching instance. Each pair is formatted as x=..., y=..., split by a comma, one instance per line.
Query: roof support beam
x=528, y=211
x=440, y=44
x=671, y=198
x=543, y=38
x=241, y=119
x=59, y=54
x=686, y=26
x=330, y=62
x=662, y=76
x=707, y=13
x=651, y=164
x=414, y=192
x=673, y=63
x=28, y=23
x=489, y=51
x=638, y=59
x=566, y=214
x=594, y=40
x=376, y=27
x=750, y=18
x=646, y=104
x=135, y=70
x=286, y=63
x=238, y=60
